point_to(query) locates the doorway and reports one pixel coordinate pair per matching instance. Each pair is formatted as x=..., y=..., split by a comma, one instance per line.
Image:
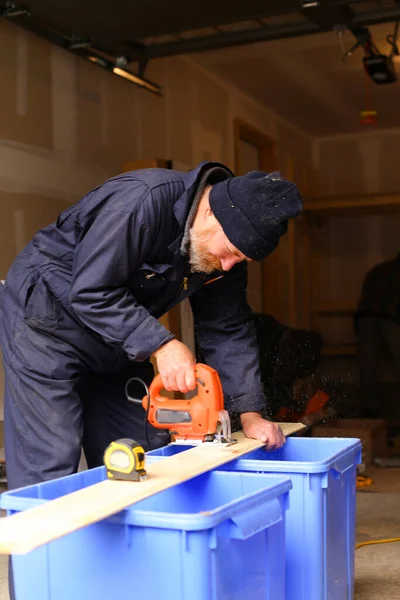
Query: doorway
x=255, y=151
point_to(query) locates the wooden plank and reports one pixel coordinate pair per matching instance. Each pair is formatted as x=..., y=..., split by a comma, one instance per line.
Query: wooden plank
x=22, y=532
x=312, y=267
x=370, y=202
x=335, y=309
x=292, y=272
x=291, y=315
x=339, y=350
x=304, y=277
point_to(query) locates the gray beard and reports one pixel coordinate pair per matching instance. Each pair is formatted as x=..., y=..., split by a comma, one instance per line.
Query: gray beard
x=198, y=263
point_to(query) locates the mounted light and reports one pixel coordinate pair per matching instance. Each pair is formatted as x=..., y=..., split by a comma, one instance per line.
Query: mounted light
x=82, y=47
x=151, y=87
x=96, y=60
x=380, y=68
x=310, y=3
x=131, y=77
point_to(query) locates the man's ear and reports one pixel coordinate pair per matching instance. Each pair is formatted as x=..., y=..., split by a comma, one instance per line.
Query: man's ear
x=207, y=213
x=210, y=218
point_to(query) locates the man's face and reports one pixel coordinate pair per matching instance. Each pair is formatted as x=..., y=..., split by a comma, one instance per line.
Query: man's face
x=211, y=250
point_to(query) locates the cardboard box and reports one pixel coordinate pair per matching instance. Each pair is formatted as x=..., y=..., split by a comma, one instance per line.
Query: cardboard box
x=371, y=432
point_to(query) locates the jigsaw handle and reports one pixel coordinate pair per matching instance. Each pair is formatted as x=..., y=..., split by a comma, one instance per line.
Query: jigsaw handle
x=206, y=376
x=196, y=413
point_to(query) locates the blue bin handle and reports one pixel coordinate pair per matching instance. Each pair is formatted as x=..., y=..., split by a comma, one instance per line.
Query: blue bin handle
x=347, y=462
x=256, y=519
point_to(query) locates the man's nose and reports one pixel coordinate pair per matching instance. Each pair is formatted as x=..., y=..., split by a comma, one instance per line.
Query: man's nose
x=228, y=263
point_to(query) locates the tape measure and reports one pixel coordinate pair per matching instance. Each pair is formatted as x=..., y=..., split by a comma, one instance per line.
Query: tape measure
x=124, y=460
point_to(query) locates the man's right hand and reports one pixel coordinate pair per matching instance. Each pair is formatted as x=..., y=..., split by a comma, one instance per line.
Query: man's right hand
x=176, y=365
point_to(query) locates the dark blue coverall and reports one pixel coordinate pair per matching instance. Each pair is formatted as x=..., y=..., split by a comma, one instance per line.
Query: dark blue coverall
x=78, y=318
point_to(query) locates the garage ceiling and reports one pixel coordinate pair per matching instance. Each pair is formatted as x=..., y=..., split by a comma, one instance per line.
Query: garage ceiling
x=145, y=29
x=281, y=52
x=305, y=81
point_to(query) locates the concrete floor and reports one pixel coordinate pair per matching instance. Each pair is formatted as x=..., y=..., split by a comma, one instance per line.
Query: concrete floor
x=377, y=573
x=4, y=578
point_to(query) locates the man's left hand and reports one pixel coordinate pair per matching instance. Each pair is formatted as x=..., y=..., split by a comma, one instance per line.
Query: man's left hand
x=257, y=428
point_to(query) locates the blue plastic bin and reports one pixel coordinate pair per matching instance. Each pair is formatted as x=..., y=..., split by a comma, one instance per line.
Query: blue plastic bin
x=321, y=519
x=218, y=536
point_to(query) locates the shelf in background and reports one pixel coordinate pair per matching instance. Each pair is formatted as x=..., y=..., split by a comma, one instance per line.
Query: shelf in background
x=353, y=204
x=334, y=309
x=340, y=350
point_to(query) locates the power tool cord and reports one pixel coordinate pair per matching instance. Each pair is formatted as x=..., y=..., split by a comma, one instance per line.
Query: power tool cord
x=362, y=481
x=139, y=401
x=384, y=541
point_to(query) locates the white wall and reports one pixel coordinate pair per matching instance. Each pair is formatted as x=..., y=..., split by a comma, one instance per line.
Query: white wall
x=363, y=163
x=352, y=165
x=65, y=124
x=346, y=247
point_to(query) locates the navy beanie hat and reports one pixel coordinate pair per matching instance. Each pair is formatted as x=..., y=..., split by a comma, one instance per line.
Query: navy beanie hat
x=254, y=210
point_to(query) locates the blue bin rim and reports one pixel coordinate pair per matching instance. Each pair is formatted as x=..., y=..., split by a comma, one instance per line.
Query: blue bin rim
x=167, y=520
x=338, y=461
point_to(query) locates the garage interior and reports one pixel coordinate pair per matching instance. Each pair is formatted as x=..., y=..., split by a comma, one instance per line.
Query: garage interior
x=90, y=90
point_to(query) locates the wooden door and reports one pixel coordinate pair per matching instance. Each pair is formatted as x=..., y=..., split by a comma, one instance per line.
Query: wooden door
x=254, y=151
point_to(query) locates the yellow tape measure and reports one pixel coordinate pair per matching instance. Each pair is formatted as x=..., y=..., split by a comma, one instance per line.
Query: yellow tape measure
x=124, y=460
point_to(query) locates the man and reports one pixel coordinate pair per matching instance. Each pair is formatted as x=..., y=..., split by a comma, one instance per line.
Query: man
x=377, y=324
x=81, y=303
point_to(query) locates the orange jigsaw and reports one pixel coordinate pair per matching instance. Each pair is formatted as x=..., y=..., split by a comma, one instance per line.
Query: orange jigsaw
x=199, y=420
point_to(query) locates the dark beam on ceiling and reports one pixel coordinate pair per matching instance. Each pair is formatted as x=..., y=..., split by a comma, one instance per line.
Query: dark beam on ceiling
x=326, y=17
x=374, y=17
x=253, y=36
x=322, y=18
x=238, y=38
